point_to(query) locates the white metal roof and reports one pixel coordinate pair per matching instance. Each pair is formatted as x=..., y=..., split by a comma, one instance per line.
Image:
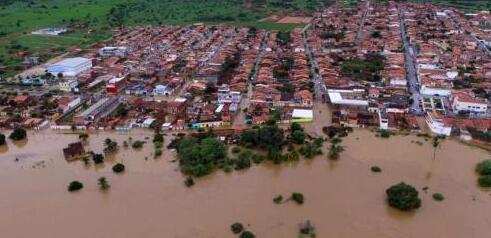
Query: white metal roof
x=336, y=98
x=302, y=113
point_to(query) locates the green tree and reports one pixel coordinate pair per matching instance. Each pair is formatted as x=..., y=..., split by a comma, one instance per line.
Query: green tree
x=237, y=228
x=118, y=168
x=298, y=137
x=18, y=134
x=2, y=139
x=403, y=197
x=103, y=184
x=75, y=186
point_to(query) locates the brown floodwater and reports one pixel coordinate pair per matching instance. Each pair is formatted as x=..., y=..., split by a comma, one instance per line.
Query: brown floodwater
x=342, y=198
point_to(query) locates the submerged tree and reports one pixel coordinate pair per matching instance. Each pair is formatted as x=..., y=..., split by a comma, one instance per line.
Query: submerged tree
x=103, y=184
x=403, y=197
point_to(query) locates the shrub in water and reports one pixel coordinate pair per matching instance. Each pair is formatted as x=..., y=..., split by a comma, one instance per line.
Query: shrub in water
x=485, y=181
x=237, y=228
x=298, y=198
x=376, y=169
x=75, y=186
x=438, y=197
x=118, y=168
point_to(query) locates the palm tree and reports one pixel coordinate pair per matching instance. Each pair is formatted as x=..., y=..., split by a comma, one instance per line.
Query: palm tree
x=103, y=184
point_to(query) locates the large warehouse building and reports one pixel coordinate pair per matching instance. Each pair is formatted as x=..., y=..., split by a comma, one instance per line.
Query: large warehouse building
x=70, y=67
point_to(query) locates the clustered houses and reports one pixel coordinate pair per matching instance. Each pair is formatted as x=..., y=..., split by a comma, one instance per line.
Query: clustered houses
x=360, y=59
x=200, y=76
x=282, y=82
x=453, y=63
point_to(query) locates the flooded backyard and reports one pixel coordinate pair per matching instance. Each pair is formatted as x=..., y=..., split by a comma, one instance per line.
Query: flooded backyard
x=342, y=198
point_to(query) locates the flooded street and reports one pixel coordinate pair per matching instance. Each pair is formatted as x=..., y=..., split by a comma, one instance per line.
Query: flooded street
x=342, y=198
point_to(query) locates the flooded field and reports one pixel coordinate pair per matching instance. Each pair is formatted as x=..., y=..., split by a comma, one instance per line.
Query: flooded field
x=342, y=198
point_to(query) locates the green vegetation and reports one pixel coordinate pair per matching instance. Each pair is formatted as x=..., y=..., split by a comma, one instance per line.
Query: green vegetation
x=200, y=156
x=247, y=234
x=466, y=5
x=403, y=197
x=376, y=169
x=310, y=150
x=75, y=186
x=118, y=168
x=236, y=149
x=18, y=134
x=237, y=228
x=103, y=184
x=438, y=197
x=307, y=230
x=484, y=167
x=384, y=133
x=110, y=146
x=278, y=199
x=297, y=197
x=189, y=182
x=367, y=69
x=2, y=139
x=335, y=149
x=137, y=144
x=485, y=181
x=98, y=158
x=243, y=161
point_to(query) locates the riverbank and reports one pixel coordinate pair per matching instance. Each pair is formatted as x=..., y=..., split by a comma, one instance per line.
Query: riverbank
x=342, y=198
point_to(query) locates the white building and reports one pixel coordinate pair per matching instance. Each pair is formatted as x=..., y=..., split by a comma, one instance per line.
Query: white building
x=161, y=90
x=436, y=124
x=113, y=51
x=227, y=96
x=68, y=85
x=70, y=67
x=468, y=103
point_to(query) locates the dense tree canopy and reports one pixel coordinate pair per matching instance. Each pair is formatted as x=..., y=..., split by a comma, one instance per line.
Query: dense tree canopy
x=403, y=197
x=18, y=134
x=200, y=157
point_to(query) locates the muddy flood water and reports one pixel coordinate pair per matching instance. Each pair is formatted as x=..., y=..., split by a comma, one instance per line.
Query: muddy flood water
x=342, y=198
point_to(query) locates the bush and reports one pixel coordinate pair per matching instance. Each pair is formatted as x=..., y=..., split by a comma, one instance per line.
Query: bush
x=158, y=152
x=237, y=228
x=403, y=197
x=189, y=182
x=257, y=158
x=485, y=181
x=438, y=197
x=298, y=137
x=376, y=169
x=18, y=134
x=484, y=167
x=278, y=199
x=118, y=168
x=75, y=186
x=98, y=158
x=298, y=198
x=243, y=162
x=385, y=133
x=236, y=150
x=138, y=144
x=247, y=234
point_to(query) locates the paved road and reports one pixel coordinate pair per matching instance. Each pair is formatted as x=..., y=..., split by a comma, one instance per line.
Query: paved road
x=359, y=33
x=319, y=85
x=411, y=72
